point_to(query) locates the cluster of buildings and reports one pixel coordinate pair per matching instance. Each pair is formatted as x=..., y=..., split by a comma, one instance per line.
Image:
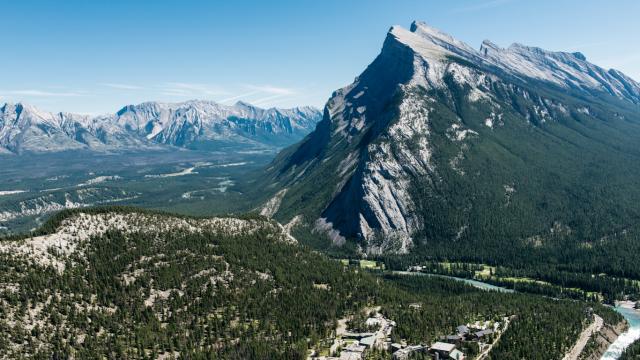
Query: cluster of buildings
x=439, y=351
x=449, y=346
x=353, y=345
x=464, y=333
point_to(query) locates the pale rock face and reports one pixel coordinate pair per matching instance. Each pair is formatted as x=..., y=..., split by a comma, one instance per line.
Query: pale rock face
x=272, y=206
x=386, y=183
x=56, y=249
x=47, y=203
x=382, y=211
x=323, y=226
x=567, y=70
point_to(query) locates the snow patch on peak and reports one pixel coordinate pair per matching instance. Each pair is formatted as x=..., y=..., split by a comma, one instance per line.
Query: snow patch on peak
x=567, y=70
x=441, y=39
x=564, y=69
x=428, y=32
x=423, y=47
x=437, y=50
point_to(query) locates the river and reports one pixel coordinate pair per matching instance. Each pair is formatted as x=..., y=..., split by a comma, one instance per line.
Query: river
x=625, y=339
x=475, y=283
x=613, y=352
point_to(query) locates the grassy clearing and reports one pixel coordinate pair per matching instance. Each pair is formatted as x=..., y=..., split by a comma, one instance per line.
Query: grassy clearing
x=363, y=264
x=369, y=264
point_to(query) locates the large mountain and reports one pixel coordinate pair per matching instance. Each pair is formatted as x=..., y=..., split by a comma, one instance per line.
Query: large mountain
x=192, y=124
x=491, y=151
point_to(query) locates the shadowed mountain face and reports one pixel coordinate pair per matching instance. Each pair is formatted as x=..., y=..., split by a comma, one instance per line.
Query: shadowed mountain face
x=193, y=124
x=438, y=143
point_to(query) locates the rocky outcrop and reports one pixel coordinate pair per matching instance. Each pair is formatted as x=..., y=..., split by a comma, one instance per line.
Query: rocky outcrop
x=602, y=339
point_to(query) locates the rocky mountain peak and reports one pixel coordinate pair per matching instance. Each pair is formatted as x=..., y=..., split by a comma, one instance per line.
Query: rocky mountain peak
x=242, y=104
x=409, y=123
x=442, y=39
x=24, y=128
x=563, y=69
x=25, y=112
x=488, y=47
x=579, y=55
x=427, y=46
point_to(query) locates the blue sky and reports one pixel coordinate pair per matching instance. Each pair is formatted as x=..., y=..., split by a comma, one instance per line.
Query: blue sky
x=96, y=56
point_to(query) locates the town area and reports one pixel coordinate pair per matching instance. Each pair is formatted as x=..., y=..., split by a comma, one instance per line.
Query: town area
x=354, y=345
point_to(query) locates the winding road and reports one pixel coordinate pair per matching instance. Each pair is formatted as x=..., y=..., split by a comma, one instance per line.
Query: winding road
x=586, y=334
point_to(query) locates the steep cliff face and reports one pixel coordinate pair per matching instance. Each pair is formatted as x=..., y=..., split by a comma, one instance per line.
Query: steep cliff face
x=366, y=199
x=402, y=147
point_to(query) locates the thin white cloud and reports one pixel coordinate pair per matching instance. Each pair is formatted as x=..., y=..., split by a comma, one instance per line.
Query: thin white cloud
x=482, y=5
x=122, y=86
x=177, y=93
x=238, y=97
x=270, y=89
x=301, y=99
x=191, y=89
x=256, y=94
x=268, y=99
x=287, y=100
x=262, y=94
x=42, y=93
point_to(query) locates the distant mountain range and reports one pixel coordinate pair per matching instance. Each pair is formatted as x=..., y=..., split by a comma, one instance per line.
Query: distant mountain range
x=192, y=124
x=495, y=150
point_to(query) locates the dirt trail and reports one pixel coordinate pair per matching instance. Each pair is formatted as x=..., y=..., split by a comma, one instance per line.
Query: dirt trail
x=594, y=327
x=483, y=355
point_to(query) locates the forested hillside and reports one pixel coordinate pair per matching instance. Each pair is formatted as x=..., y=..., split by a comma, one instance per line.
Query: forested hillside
x=125, y=283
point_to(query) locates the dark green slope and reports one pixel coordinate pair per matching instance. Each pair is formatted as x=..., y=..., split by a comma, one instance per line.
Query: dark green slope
x=575, y=181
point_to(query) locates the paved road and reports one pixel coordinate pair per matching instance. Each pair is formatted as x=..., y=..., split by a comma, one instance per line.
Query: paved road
x=575, y=352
